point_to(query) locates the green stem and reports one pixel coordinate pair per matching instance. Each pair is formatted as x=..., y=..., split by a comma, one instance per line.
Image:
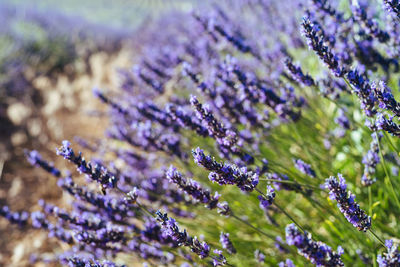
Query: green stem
x=386, y=172
x=252, y=226
x=290, y=182
x=377, y=237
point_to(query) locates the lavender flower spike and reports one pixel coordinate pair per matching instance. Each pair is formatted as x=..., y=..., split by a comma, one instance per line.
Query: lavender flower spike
x=386, y=98
x=35, y=159
x=225, y=174
x=304, y=167
x=224, y=137
x=171, y=229
x=370, y=160
x=192, y=188
x=297, y=73
x=227, y=243
x=393, y=6
x=97, y=173
x=268, y=199
x=318, y=253
x=391, y=258
x=309, y=30
x=382, y=123
x=287, y=263
x=346, y=203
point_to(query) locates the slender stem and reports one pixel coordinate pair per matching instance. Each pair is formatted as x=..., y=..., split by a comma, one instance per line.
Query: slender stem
x=370, y=200
x=377, y=237
x=386, y=172
x=310, y=158
x=290, y=182
x=252, y=226
x=391, y=143
x=284, y=212
x=289, y=216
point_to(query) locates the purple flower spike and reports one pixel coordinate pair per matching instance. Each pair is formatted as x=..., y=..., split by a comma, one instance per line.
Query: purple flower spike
x=391, y=258
x=316, y=44
x=227, y=243
x=97, y=173
x=387, y=124
x=36, y=159
x=268, y=199
x=287, y=263
x=346, y=203
x=317, y=253
x=225, y=137
x=370, y=160
x=224, y=174
x=297, y=74
x=259, y=256
x=304, y=167
x=171, y=229
x=192, y=188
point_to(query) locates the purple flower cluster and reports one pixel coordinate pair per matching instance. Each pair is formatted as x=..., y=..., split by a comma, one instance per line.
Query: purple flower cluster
x=346, y=203
x=97, y=173
x=267, y=199
x=310, y=31
x=387, y=124
x=224, y=174
x=304, y=167
x=35, y=159
x=369, y=25
x=287, y=263
x=386, y=98
x=318, y=253
x=20, y=218
x=364, y=92
x=393, y=6
x=192, y=188
x=297, y=74
x=391, y=258
x=225, y=137
x=171, y=229
x=226, y=243
x=370, y=160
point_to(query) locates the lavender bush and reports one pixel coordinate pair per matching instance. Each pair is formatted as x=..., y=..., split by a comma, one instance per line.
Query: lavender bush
x=227, y=135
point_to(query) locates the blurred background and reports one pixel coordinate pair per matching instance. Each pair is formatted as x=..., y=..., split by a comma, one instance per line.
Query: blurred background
x=52, y=53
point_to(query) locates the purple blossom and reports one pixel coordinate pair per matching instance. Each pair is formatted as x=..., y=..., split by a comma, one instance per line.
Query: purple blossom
x=171, y=229
x=393, y=6
x=287, y=263
x=346, y=203
x=20, y=218
x=226, y=173
x=297, y=73
x=97, y=173
x=364, y=92
x=36, y=159
x=219, y=259
x=267, y=199
x=370, y=160
x=342, y=120
x=309, y=30
x=387, y=124
x=192, y=188
x=259, y=256
x=369, y=25
x=224, y=136
x=304, y=167
x=317, y=253
x=386, y=98
x=226, y=243
x=391, y=258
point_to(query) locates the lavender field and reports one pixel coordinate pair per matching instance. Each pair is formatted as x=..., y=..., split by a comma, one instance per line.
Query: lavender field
x=210, y=133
